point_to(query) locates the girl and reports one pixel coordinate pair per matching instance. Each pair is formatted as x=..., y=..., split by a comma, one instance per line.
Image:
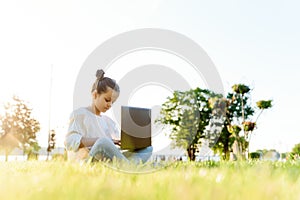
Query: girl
x=92, y=135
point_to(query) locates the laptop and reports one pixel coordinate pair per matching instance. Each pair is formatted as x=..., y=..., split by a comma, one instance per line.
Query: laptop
x=135, y=128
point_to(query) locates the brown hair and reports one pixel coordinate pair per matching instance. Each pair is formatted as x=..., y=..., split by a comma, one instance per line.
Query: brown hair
x=102, y=83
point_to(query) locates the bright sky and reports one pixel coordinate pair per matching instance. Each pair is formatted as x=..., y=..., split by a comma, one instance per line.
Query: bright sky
x=256, y=43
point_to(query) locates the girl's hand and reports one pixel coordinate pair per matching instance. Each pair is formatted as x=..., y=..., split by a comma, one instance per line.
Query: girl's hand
x=117, y=142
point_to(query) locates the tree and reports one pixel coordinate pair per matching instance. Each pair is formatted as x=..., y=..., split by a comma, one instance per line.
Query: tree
x=236, y=111
x=238, y=126
x=8, y=142
x=255, y=155
x=296, y=150
x=187, y=113
x=19, y=124
x=224, y=122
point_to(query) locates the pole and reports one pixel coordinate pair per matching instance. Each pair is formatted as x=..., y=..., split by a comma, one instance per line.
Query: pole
x=49, y=113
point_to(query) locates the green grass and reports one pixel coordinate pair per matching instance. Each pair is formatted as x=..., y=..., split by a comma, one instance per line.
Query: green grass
x=205, y=180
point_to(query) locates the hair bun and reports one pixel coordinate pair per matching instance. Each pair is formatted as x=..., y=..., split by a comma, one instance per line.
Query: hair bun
x=100, y=74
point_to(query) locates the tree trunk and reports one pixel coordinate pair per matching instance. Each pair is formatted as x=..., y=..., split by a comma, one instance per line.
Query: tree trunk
x=6, y=155
x=191, y=153
x=226, y=150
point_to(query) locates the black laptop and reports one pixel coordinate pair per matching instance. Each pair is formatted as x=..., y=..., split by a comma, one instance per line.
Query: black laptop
x=135, y=128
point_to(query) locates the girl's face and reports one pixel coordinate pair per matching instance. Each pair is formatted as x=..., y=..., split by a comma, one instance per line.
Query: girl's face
x=103, y=102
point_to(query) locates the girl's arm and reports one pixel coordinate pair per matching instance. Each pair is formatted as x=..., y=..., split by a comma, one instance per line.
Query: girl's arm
x=87, y=142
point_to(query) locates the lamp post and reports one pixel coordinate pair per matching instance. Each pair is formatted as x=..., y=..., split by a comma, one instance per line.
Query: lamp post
x=49, y=113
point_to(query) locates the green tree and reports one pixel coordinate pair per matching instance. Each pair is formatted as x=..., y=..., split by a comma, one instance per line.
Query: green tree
x=296, y=150
x=224, y=122
x=19, y=123
x=238, y=126
x=237, y=110
x=255, y=155
x=187, y=113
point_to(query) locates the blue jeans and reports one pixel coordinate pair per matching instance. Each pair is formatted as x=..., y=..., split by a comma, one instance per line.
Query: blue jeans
x=104, y=148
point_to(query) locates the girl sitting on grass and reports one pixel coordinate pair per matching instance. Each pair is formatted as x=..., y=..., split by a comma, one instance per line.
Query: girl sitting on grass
x=92, y=135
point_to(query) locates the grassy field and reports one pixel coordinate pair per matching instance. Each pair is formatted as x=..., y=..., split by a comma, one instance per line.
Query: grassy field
x=205, y=180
